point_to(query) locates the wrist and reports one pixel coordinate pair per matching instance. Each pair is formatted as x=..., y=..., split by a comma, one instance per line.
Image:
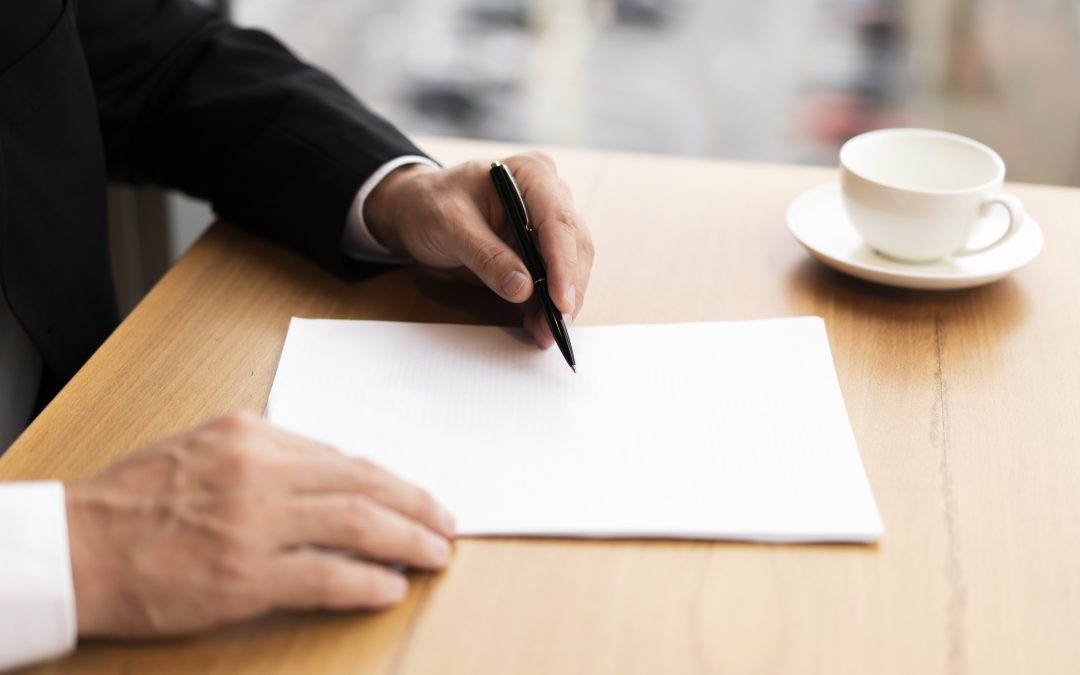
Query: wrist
x=382, y=206
x=90, y=591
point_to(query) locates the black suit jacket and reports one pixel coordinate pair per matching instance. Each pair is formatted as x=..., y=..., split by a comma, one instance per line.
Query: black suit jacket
x=165, y=92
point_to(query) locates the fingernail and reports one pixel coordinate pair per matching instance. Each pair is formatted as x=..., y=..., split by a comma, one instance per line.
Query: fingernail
x=440, y=549
x=568, y=319
x=399, y=586
x=513, y=282
x=570, y=300
x=448, y=522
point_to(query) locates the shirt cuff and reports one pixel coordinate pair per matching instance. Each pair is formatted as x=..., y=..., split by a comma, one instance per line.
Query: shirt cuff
x=358, y=242
x=37, y=593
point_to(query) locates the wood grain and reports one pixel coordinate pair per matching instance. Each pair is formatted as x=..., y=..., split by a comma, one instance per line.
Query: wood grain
x=964, y=404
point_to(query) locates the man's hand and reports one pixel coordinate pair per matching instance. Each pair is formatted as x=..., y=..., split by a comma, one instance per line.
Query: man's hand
x=452, y=218
x=236, y=518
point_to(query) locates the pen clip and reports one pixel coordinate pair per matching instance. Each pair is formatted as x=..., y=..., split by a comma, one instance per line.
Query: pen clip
x=514, y=200
x=516, y=213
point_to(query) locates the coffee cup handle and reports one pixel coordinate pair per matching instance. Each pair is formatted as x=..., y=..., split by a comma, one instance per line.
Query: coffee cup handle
x=1016, y=217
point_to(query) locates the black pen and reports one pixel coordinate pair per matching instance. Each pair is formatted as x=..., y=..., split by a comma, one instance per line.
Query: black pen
x=510, y=196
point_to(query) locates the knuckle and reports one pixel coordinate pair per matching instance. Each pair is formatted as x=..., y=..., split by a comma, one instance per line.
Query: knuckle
x=359, y=518
x=562, y=220
x=246, y=600
x=588, y=247
x=253, y=603
x=326, y=583
x=426, y=506
x=365, y=466
x=541, y=157
x=369, y=588
x=328, y=449
x=489, y=256
x=241, y=466
x=416, y=542
x=238, y=422
x=477, y=166
x=565, y=187
x=568, y=218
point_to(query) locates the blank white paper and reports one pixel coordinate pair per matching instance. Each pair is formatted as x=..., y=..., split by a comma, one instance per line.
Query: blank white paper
x=723, y=430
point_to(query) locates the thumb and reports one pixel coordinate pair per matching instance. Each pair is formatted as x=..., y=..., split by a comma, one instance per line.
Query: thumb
x=492, y=261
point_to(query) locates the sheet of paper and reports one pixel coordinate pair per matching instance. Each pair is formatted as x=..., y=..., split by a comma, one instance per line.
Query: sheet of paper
x=733, y=430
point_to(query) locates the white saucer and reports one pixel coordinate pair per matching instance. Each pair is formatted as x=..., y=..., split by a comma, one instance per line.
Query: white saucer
x=818, y=221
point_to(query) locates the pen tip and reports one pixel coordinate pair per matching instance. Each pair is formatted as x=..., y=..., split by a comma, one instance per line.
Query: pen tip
x=573, y=368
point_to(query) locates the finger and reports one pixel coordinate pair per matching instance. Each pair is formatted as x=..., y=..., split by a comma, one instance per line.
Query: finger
x=307, y=579
x=551, y=211
x=295, y=445
x=586, y=255
x=558, y=246
x=311, y=466
x=361, y=525
x=492, y=260
x=536, y=325
x=337, y=473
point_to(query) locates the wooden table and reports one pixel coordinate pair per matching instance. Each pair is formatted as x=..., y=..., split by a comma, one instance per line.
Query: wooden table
x=966, y=407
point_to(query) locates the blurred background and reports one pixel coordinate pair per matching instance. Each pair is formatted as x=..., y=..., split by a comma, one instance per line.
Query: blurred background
x=768, y=80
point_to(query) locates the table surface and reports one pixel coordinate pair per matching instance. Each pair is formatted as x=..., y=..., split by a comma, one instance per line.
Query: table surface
x=965, y=405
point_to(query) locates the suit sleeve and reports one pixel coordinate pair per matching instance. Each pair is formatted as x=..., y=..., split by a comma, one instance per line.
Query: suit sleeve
x=189, y=101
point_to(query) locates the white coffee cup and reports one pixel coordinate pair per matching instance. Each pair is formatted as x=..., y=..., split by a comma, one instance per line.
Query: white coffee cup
x=916, y=194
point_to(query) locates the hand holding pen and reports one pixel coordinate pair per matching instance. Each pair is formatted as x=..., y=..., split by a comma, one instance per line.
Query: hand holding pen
x=514, y=205
x=452, y=218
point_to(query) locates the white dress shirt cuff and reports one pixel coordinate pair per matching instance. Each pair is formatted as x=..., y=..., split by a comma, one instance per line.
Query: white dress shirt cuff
x=358, y=242
x=37, y=594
